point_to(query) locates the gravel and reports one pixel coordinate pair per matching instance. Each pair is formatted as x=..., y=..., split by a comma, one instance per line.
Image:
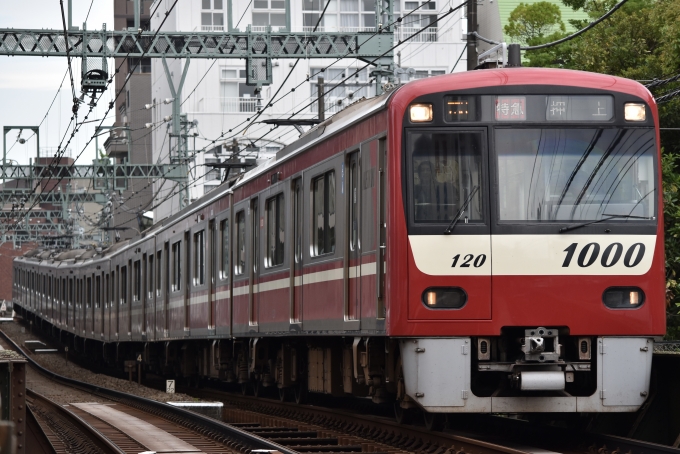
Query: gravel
x=56, y=363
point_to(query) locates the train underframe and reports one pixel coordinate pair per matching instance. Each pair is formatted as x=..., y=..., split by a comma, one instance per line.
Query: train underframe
x=535, y=369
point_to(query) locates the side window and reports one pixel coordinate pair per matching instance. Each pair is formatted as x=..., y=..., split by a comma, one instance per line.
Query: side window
x=224, y=249
x=275, y=231
x=88, y=295
x=176, y=266
x=159, y=272
x=97, y=292
x=123, y=285
x=150, y=275
x=323, y=214
x=137, y=280
x=199, y=258
x=240, y=264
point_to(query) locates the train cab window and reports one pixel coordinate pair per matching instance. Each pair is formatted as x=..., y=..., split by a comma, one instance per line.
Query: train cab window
x=199, y=258
x=446, y=176
x=576, y=174
x=275, y=231
x=323, y=215
x=137, y=280
x=224, y=249
x=123, y=285
x=240, y=265
x=176, y=266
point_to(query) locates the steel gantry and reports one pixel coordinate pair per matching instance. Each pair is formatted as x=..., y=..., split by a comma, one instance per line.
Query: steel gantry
x=94, y=47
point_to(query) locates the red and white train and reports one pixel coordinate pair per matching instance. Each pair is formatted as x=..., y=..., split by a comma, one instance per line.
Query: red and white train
x=489, y=241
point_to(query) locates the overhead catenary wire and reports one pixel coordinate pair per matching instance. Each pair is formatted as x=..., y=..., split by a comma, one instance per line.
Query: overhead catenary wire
x=376, y=33
x=92, y=105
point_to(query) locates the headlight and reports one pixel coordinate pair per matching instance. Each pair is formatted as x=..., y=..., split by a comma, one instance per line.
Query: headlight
x=444, y=298
x=635, y=112
x=420, y=113
x=623, y=297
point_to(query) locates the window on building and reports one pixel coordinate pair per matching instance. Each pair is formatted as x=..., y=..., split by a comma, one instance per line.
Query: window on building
x=235, y=95
x=323, y=215
x=275, y=231
x=240, y=265
x=421, y=14
x=343, y=94
x=143, y=24
x=268, y=13
x=212, y=16
x=224, y=249
x=139, y=65
x=425, y=73
x=199, y=258
x=176, y=266
x=212, y=174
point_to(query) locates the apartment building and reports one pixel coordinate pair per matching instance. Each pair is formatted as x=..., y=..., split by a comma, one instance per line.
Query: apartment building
x=215, y=97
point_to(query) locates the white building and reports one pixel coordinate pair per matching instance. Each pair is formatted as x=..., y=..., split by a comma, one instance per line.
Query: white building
x=215, y=93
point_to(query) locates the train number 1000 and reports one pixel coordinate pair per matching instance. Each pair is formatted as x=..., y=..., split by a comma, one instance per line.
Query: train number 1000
x=610, y=256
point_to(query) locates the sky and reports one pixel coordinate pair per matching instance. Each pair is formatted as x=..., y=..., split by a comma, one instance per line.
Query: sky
x=29, y=84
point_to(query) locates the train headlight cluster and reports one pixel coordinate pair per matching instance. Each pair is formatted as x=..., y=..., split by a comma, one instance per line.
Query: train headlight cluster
x=420, y=113
x=444, y=297
x=623, y=297
x=635, y=112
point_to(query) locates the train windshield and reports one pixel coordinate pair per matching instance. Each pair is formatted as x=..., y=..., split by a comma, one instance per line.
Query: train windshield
x=446, y=171
x=563, y=174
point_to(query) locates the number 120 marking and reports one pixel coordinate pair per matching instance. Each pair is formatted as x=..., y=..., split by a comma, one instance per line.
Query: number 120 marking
x=478, y=261
x=610, y=256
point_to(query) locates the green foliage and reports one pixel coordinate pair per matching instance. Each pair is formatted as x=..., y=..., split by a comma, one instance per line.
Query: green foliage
x=640, y=41
x=528, y=22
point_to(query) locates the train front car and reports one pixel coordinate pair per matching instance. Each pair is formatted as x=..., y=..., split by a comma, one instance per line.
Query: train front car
x=529, y=202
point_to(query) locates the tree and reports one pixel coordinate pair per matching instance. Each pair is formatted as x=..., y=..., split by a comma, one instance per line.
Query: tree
x=528, y=22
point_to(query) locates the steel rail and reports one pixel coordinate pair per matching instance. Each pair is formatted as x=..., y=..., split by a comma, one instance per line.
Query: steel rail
x=101, y=441
x=153, y=406
x=515, y=430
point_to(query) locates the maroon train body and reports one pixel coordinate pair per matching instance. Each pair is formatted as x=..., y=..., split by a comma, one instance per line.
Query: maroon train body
x=481, y=242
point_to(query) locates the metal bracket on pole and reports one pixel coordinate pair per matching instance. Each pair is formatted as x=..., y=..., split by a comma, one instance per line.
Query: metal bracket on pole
x=177, y=124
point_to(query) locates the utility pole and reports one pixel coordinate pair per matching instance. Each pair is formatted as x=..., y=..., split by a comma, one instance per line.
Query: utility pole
x=471, y=37
x=179, y=129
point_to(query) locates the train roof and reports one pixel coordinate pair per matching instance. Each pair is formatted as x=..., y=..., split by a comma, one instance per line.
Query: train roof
x=521, y=76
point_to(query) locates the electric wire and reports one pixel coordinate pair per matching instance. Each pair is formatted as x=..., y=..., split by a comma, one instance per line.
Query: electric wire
x=92, y=105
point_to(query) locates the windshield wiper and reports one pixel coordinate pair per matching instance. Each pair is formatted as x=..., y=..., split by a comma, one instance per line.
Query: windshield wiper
x=458, y=215
x=609, y=216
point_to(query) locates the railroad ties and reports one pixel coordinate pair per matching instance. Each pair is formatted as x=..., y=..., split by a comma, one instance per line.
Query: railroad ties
x=70, y=416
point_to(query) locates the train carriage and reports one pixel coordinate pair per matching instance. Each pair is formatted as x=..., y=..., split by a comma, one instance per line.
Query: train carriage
x=481, y=242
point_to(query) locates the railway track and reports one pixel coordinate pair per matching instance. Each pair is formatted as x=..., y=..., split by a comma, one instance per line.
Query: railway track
x=475, y=434
x=78, y=417
x=313, y=429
